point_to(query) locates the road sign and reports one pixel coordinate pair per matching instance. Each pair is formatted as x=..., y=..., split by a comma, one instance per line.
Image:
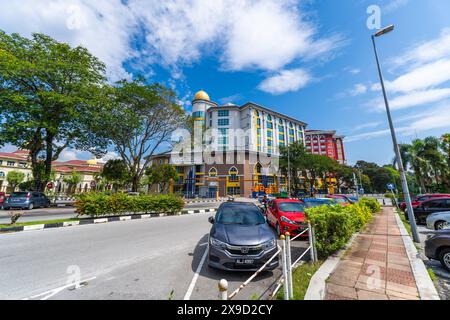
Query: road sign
x=390, y=186
x=93, y=184
x=50, y=185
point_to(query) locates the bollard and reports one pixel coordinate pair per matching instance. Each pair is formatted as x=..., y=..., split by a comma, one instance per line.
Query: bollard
x=289, y=264
x=311, y=245
x=223, y=289
x=284, y=264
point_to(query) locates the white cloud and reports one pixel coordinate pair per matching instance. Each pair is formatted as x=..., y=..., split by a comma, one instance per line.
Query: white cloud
x=435, y=118
x=102, y=26
x=284, y=81
x=367, y=125
x=394, y=5
x=426, y=76
x=73, y=154
x=110, y=155
x=416, y=98
x=426, y=51
x=358, y=89
x=355, y=71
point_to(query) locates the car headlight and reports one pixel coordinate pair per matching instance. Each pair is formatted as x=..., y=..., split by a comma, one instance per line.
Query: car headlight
x=284, y=219
x=217, y=243
x=269, y=244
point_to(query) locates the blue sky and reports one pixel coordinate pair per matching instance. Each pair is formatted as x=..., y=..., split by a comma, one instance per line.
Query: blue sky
x=312, y=60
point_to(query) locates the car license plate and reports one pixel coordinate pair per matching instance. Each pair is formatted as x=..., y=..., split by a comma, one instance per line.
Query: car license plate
x=245, y=261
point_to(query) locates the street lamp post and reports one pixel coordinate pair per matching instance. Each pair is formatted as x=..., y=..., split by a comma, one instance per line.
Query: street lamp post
x=409, y=207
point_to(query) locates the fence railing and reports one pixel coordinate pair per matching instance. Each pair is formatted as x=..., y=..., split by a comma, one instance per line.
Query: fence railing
x=286, y=264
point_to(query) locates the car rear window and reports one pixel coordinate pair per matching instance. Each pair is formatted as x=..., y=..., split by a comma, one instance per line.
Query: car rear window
x=291, y=207
x=19, y=194
x=240, y=214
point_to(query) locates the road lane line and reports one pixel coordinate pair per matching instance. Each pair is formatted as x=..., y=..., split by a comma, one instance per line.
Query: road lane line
x=195, y=278
x=52, y=292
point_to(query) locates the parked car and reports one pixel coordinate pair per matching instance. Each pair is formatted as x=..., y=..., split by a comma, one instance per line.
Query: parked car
x=424, y=197
x=2, y=199
x=26, y=200
x=287, y=215
x=316, y=202
x=341, y=199
x=437, y=247
x=438, y=221
x=423, y=210
x=240, y=239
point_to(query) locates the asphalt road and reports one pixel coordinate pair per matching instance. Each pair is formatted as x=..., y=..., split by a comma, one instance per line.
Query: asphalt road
x=137, y=259
x=69, y=212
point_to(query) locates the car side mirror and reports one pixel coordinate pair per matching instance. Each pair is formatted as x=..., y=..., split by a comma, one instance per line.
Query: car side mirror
x=211, y=220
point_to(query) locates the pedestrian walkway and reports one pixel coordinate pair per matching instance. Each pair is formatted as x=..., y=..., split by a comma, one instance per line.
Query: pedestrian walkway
x=376, y=267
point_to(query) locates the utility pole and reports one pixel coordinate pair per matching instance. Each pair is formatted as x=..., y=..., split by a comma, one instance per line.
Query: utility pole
x=401, y=168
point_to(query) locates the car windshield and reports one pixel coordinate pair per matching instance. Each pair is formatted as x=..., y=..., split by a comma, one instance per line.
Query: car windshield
x=240, y=214
x=19, y=194
x=317, y=203
x=340, y=200
x=291, y=207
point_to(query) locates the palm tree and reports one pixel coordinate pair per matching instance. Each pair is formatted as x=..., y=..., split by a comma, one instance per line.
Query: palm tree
x=412, y=155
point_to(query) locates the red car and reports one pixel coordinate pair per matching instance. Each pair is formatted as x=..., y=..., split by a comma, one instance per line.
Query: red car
x=287, y=215
x=2, y=199
x=341, y=199
x=424, y=197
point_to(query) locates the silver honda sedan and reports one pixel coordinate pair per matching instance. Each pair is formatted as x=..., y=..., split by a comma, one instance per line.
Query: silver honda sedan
x=439, y=221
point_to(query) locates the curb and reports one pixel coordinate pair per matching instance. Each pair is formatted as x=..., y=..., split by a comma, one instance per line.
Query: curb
x=100, y=220
x=425, y=286
x=204, y=201
x=317, y=285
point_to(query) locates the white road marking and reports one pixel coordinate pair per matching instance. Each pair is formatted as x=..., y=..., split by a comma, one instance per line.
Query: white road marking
x=50, y=293
x=188, y=294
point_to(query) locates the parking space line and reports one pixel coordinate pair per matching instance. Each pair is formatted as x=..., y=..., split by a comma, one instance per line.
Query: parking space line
x=188, y=294
x=50, y=293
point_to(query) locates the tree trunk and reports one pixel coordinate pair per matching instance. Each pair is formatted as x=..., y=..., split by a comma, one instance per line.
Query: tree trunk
x=135, y=183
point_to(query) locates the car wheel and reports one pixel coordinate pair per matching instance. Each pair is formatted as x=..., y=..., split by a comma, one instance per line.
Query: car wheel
x=444, y=257
x=30, y=206
x=5, y=208
x=440, y=225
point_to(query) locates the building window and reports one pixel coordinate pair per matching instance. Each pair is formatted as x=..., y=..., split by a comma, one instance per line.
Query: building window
x=197, y=115
x=233, y=175
x=179, y=170
x=224, y=113
x=223, y=131
x=269, y=134
x=233, y=191
x=212, y=172
x=2, y=174
x=223, y=140
x=10, y=163
x=223, y=122
x=270, y=125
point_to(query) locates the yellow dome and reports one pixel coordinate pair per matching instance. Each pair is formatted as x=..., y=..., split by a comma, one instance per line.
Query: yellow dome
x=92, y=162
x=201, y=95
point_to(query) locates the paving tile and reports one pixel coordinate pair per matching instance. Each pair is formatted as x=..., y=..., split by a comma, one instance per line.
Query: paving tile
x=398, y=295
x=330, y=296
x=342, y=291
x=400, y=288
x=369, y=295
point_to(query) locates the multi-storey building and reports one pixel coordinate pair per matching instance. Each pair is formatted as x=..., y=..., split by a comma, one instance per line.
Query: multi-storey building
x=246, y=140
x=325, y=143
x=18, y=161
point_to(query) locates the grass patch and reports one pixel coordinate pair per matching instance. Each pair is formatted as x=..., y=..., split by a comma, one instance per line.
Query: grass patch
x=301, y=278
x=30, y=223
x=405, y=222
x=431, y=274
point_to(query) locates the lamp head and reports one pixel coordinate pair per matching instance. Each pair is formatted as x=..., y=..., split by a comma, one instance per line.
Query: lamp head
x=384, y=30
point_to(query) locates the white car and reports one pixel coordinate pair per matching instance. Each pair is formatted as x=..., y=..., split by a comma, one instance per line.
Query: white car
x=438, y=221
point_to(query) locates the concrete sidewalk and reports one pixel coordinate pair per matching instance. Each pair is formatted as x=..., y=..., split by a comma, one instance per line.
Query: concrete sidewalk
x=376, y=267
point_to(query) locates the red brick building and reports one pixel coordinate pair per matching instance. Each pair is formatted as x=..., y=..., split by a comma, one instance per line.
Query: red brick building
x=325, y=143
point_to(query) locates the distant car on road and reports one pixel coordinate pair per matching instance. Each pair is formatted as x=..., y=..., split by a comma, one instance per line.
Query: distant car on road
x=423, y=210
x=424, y=197
x=438, y=221
x=26, y=200
x=317, y=202
x=341, y=199
x=287, y=215
x=2, y=199
x=437, y=247
x=240, y=239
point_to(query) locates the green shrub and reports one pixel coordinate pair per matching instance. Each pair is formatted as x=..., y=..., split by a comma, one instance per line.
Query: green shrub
x=335, y=225
x=371, y=203
x=99, y=204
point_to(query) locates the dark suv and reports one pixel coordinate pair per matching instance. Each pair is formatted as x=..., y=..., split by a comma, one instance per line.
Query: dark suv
x=428, y=207
x=26, y=200
x=437, y=247
x=241, y=239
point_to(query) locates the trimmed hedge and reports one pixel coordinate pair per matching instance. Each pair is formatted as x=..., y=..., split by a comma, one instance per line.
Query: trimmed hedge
x=373, y=204
x=335, y=225
x=99, y=204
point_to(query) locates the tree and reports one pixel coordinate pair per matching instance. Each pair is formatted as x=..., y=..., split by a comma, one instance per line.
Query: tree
x=14, y=178
x=116, y=172
x=140, y=119
x=47, y=89
x=161, y=175
x=73, y=179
